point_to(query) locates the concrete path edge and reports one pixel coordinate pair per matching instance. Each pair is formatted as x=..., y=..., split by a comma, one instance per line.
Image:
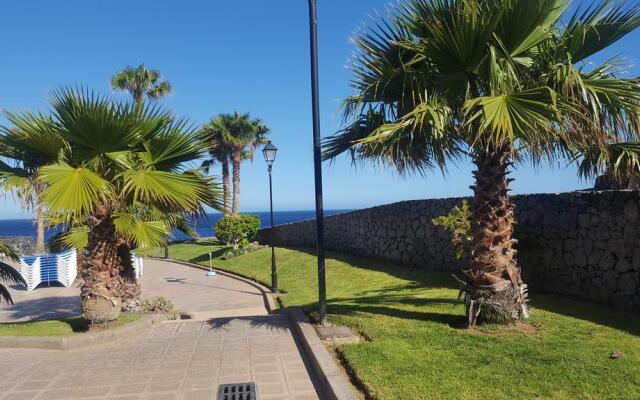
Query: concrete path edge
x=334, y=383
x=269, y=301
x=137, y=328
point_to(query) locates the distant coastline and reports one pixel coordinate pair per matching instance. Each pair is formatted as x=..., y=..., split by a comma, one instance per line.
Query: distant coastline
x=204, y=227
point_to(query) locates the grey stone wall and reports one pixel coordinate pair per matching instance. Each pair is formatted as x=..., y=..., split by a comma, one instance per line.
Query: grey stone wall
x=22, y=244
x=584, y=244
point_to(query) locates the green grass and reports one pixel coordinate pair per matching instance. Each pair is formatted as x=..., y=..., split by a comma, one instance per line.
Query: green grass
x=57, y=327
x=414, y=319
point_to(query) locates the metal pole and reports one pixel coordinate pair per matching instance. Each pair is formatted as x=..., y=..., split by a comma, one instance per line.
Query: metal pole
x=274, y=272
x=317, y=160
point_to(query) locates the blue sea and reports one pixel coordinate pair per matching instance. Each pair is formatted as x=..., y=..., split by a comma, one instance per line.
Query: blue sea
x=204, y=226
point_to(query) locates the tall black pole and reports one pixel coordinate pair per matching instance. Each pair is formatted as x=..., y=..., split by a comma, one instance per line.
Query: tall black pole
x=317, y=160
x=274, y=273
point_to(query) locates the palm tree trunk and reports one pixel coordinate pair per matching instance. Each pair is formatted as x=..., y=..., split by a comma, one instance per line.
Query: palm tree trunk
x=225, y=186
x=130, y=291
x=39, y=229
x=494, y=289
x=101, y=271
x=237, y=157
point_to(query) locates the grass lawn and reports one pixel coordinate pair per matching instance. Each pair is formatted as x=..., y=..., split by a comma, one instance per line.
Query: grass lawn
x=57, y=327
x=417, y=349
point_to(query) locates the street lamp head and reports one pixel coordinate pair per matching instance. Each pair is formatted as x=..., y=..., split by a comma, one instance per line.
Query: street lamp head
x=269, y=152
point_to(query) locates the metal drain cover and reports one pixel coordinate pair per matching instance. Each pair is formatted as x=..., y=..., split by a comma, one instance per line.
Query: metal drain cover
x=237, y=391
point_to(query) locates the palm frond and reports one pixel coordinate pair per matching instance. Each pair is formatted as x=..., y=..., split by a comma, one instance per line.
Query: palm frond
x=73, y=191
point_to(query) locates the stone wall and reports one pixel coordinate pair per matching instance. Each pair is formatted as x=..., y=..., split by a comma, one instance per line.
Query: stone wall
x=585, y=244
x=22, y=244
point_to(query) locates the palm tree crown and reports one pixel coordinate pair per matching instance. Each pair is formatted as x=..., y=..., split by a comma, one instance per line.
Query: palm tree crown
x=141, y=82
x=500, y=81
x=27, y=145
x=235, y=137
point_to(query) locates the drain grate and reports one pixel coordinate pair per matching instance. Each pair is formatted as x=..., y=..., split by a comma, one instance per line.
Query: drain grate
x=237, y=391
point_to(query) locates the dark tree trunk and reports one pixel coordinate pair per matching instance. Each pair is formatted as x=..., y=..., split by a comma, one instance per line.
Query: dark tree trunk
x=130, y=291
x=237, y=157
x=494, y=291
x=225, y=186
x=100, y=291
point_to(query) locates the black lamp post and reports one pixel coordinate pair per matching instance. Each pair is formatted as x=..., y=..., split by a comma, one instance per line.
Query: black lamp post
x=317, y=160
x=269, y=152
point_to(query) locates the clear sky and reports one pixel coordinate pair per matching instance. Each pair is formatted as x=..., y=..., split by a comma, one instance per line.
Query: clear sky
x=223, y=55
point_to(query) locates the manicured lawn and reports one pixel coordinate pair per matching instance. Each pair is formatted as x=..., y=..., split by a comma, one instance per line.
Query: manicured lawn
x=418, y=350
x=57, y=327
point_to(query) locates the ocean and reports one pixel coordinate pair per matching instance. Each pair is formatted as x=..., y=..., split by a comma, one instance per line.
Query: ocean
x=204, y=227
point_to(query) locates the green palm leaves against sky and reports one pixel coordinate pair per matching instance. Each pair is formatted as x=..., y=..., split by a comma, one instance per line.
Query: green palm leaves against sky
x=141, y=82
x=133, y=159
x=442, y=78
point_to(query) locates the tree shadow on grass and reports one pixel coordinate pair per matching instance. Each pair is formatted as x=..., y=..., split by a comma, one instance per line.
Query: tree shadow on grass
x=582, y=309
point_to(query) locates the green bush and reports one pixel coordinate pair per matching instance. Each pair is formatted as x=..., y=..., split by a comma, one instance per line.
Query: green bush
x=237, y=230
x=457, y=222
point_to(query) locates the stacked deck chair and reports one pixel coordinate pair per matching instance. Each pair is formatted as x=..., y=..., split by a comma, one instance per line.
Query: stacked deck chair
x=138, y=265
x=62, y=268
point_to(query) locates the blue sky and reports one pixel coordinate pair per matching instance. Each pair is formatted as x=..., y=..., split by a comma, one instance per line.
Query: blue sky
x=223, y=55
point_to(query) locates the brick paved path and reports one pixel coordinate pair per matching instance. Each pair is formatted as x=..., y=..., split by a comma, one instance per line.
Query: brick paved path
x=178, y=360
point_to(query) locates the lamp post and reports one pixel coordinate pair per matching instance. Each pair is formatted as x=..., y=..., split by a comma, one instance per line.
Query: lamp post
x=269, y=152
x=317, y=160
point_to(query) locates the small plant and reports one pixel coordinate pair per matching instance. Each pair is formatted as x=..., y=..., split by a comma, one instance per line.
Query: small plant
x=237, y=230
x=158, y=304
x=457, y=222
x=251, y=247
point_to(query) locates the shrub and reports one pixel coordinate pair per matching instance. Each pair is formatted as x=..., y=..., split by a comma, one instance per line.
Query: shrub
x=457, y=222
x=158, y=305
x=237, y=230
x=251, y=247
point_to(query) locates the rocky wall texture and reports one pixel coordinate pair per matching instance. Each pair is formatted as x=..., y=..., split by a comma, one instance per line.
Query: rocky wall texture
x=584, y=244
x=22, y=244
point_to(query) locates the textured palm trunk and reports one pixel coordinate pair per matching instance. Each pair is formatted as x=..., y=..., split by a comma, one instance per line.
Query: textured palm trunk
x=100, y=291
x=225, y=186
x=237, y=156
x=494, y=292
x=130, y=291
x=39, y=230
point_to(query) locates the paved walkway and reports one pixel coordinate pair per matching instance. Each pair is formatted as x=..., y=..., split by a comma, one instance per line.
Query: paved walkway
x=189, y=289
x=178, y=360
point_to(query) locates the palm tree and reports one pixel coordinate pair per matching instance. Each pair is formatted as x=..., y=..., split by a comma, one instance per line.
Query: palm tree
x=240, y=135
x=141, y=82
x=27, y=145
x=615, y=166
x=124, y=163
x=8, y=275
x=497, y=80
x=216, y=134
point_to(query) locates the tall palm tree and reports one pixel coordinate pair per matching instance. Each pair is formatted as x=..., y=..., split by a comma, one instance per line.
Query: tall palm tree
x=27, y=145
x=217, y=136
x=141, y=82
x=497, y=80
x=8, y=274
x=123, y=163
x=240, y=135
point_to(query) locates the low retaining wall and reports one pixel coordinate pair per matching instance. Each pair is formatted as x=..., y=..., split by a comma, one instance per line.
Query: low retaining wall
x=585, y=244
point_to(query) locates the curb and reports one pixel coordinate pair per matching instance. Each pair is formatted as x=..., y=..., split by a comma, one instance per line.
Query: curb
x=133, y=329
x=334, y=383
x=267, y=296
